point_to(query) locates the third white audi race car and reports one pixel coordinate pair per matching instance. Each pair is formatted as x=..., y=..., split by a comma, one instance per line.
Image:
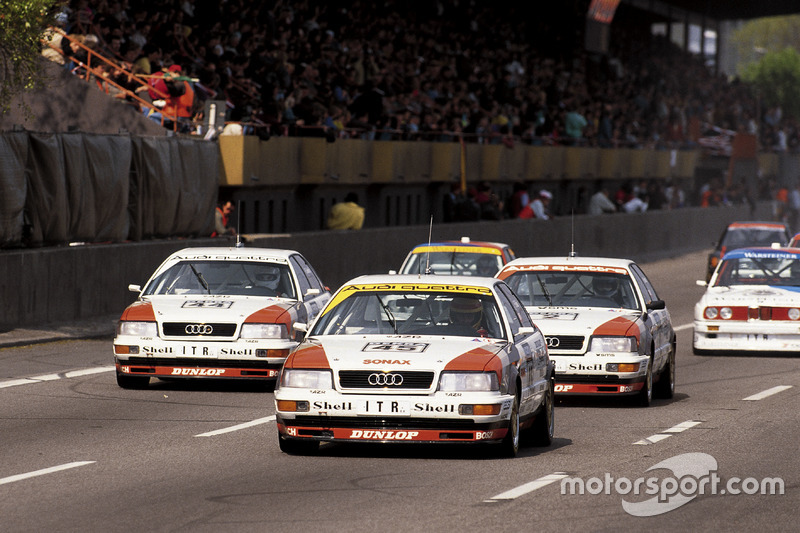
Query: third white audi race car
x=606, y=328
x=418, y=359
x=217, y=313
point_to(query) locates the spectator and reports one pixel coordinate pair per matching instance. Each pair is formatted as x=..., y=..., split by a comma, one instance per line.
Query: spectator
x=491, y=207
x=519, y=199
x=637, y=204
x=222, y=219
x=539, y=207
x=600, y=203
x=347, y=214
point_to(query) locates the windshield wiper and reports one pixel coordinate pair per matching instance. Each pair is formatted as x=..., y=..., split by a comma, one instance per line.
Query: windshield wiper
x=200, y=278
x=545, y=291
x=389, y=314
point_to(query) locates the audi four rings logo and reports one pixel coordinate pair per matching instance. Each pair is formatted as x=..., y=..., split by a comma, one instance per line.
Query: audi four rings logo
x=198, y=329
x=552, y=342
x=385, y=380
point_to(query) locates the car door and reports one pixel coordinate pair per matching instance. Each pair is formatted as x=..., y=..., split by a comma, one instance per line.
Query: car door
x=533, y=355
x=658, y=320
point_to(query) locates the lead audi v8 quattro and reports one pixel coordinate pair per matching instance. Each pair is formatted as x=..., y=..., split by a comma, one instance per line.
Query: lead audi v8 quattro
x=217, y=313
x=417, y=359
x=606, y=328
x=752, y=303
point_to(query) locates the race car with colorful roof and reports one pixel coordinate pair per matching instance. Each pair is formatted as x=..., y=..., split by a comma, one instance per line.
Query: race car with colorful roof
x=606, y=328
x=752, y=303
x=418, y=359
x=746, y=234
x=217, y=313
x=457, y=258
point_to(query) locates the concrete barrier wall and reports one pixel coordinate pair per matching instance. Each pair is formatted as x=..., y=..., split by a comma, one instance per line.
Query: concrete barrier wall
x=47, y=285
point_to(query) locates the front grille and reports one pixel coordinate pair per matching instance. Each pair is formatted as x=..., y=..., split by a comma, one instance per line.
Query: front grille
x=198, y=330
x=359, y=379
x=564, y=342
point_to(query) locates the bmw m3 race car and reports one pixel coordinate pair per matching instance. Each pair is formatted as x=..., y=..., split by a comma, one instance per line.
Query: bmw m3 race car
x=417, y=359
x=457, y=258
x=752, y=303
x=746, y=235
x=606, y=328
x=217, y=313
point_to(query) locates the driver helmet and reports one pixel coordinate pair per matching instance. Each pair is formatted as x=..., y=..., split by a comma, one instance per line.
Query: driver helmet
x=486, y=266
x=466, y=311
x=268, y=276
x=605, y=286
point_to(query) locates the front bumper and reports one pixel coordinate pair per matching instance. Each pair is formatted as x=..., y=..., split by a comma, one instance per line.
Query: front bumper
x=144, y=356
x=391, y=418
x=751, y=336
x=588, y=375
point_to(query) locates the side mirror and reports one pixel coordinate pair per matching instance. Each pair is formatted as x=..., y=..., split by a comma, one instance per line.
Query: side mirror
x=300, y=329
x=134, y=288
x=312, y=292
x=526, y=330
x=655, y=305
x=392, y=272
x=702, y=283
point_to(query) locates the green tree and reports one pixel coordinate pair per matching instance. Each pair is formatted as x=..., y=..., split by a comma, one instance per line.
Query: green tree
x=759, y=36
x=22, y=23
x=776, y=78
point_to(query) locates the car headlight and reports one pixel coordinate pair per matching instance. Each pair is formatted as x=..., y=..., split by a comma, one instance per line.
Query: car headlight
x=306, y=379
x=726, y=313
x=613, y=344
x=468, y=381
x=137, y=329
x=793, y=313
x=711, y=313
x=264, y=331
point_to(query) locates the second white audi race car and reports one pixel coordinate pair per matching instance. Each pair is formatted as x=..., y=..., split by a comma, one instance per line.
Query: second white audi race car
x=752, y=303
x=606, y=328
x=399, y=358
x=217, y=313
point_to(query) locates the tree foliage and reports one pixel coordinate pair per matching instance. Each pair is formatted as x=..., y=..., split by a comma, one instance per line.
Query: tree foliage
x=22, y=24
x=776, y=77
x=760, y=36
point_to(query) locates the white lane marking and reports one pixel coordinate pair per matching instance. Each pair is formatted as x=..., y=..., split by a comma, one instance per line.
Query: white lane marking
x=684, y=326
x=52, y=469
x=678, y=428
x=237, y=427
x=528, y=487
x=769, y=392
x=52, y=377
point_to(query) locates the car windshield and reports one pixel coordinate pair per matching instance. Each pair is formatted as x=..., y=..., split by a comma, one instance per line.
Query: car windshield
x=412, y=313
x=766, y=270
x=574, y=289
x=248, y=278
x=454, y=263
x=741, y=238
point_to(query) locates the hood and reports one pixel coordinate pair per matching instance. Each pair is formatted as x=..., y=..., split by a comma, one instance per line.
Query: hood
x=199, y=308
x=381, y=352
x=742, y=295
x=583, y=320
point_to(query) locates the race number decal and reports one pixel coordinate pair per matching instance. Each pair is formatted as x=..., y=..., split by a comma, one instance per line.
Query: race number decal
x=405, y=347
x=213, y=304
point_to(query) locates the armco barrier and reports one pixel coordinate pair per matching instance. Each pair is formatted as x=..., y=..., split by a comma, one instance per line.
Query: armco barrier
x=48, y=285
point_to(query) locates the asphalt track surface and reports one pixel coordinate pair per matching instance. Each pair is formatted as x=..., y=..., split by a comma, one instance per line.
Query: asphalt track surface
x=81, y=454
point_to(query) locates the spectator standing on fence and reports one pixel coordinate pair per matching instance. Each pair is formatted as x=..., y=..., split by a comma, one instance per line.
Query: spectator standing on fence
x=347, y=214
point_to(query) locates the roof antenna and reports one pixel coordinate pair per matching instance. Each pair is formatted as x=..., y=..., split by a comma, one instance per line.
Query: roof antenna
x=572, y=238
x=239, y=243
x=428, y=252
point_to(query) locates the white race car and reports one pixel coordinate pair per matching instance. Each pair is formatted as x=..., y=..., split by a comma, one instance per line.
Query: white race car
x=751, y=304
x=606, y=328
x=418, y=359
x=217, y=313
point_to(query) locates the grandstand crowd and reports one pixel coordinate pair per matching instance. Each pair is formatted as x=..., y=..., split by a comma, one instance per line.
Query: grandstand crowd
x=426, y=69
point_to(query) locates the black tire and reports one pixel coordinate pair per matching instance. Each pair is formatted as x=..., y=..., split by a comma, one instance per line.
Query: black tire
x=665, y=388
x=541, y=433
x=645, y=395
x=132, y=382
x=297, y=447
x=510, y=445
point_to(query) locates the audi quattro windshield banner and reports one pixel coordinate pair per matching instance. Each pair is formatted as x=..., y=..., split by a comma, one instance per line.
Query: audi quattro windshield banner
x=457, y=249
x=350, y=290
